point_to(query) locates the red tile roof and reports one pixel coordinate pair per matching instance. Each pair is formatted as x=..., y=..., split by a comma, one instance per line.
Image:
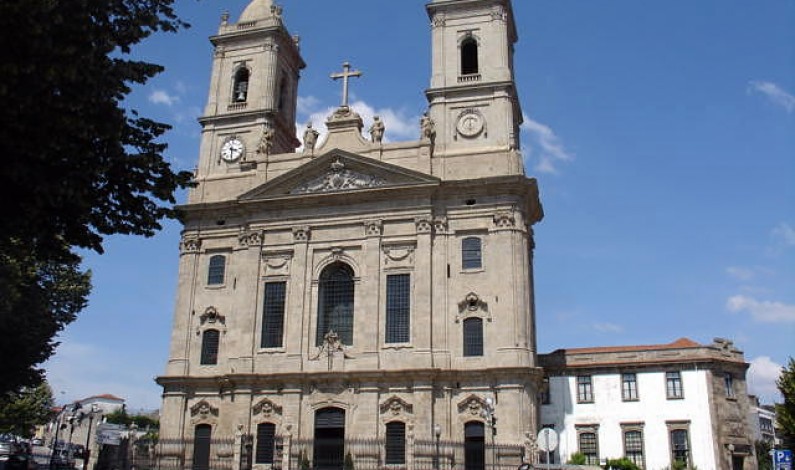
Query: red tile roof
x=681, y=343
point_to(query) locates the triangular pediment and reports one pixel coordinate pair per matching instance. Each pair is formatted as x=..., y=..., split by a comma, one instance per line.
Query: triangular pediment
x=335, y=172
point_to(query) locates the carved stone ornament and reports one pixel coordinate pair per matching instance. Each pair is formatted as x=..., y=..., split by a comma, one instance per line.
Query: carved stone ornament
x=424, y=224
x=440, y=225
x=277, y=262
x=473, y=405
x=439, y=21
x=395, y=406
x=250, y=238
x=396, y=254
x=267, y=408
x=373, y=228
x=472, y=303
x=301, y=234
x=504, y=220
x=498, y=13
x=212, y=316
x=203, y=409
x=190, y=244
x=338, y=178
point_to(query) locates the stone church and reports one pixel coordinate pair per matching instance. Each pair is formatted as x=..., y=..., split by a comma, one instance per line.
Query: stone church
x=351, y=289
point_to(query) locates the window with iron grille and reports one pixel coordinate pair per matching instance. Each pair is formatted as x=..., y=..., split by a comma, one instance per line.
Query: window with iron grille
x=629, y=387
x=266, y=433
x=680, y=447
x=673, y=385
x=728, y=382
x=584, y=389
x=273, y=314
x=633, y=447
x=210, y=339
x=216, y=270
x=589, y=447
x=398, y=308
x=473, y=337
x=395, y=443
x=471, y=254
x=335, y=303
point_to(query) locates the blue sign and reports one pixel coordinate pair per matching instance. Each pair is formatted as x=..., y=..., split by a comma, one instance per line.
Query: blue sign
x=782, y=459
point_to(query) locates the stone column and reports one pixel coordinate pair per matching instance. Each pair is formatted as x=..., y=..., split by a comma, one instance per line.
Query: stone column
x=270, y=74
x=370, y=335
x=299, y=291
x=422, y=315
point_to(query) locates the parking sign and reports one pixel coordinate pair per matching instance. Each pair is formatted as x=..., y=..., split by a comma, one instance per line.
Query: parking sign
x=782, y=459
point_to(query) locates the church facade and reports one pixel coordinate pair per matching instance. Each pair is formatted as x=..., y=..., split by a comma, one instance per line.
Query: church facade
x=356, y=288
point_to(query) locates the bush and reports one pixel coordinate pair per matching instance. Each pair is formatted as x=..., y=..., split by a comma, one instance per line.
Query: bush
x=577, y=458
x=621, y=464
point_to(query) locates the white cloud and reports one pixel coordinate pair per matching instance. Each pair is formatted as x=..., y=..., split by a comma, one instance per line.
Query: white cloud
x=607, y=328
x=545, y=147
x=762, y=376
x=784, y=234
x=762, y=311
x=774, y=93
x=399, y=126
x=163, y=97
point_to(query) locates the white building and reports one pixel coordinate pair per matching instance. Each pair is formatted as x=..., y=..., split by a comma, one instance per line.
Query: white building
x=652, y=404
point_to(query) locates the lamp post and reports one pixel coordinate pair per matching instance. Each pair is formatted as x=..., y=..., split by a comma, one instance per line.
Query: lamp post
x=437, y=432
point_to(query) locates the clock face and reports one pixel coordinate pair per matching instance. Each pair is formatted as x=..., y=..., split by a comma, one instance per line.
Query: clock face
x=232, y=150
x=470, y=124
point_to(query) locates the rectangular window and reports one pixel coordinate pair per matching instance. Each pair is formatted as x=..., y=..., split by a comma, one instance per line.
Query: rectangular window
x=471, y=254
x=398, y=308
x=633, y=446
x=589, y=447
x=473, y=337
x=629, y=387
x=673, y=385
x=266, y=434
x=584, y=389
x=545, y=397
x=216, y=270
x=210, y=340
x=680, y=446
x=395, y=443
x=273, y=314
x=728, y=382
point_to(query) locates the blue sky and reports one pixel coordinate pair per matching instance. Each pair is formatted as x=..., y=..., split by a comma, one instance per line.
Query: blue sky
x=662, y=135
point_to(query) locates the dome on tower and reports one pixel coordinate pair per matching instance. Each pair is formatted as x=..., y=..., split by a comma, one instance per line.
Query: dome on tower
x=257, y=10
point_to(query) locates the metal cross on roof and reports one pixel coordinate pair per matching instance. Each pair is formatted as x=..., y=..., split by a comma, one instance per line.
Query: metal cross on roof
x=345, y=75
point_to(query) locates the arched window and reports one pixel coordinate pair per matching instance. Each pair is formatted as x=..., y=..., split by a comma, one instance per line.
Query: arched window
x=266, y=435
x=210, y=340
x=240, y=88
x=335, y=303
x=395, y=443
x=471, y=253
x=469, y=56
x=202, y=437
x=474, y=446
x=473, y=337
x=216, y=270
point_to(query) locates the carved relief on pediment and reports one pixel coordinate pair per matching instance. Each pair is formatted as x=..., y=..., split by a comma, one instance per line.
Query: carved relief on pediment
x=277, y=263
x=399, y=255
x=267, y=408
x=203, y=409
x=472, y=405
x=339, y=178
x=396, y=406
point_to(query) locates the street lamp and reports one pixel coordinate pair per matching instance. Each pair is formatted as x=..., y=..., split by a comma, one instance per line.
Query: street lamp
x=437, y=432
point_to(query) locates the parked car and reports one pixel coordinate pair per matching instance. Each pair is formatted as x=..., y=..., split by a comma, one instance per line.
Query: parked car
x=13, y=457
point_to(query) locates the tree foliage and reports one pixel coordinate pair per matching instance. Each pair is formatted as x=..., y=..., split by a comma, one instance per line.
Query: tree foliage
x=621, y=464
x=141, y=421
x=21, y=412
x=78, y=164
x=785, y=412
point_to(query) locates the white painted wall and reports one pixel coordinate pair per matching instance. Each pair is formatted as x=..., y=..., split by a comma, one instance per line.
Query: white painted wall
x=653, y=409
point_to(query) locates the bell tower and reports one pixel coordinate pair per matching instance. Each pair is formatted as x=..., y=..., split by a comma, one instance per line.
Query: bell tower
x=251, y=108
x=473, y=99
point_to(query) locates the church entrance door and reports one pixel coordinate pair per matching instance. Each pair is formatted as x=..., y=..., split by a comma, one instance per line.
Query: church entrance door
x=474, y=446
x=201, y=447
x=329, y=453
